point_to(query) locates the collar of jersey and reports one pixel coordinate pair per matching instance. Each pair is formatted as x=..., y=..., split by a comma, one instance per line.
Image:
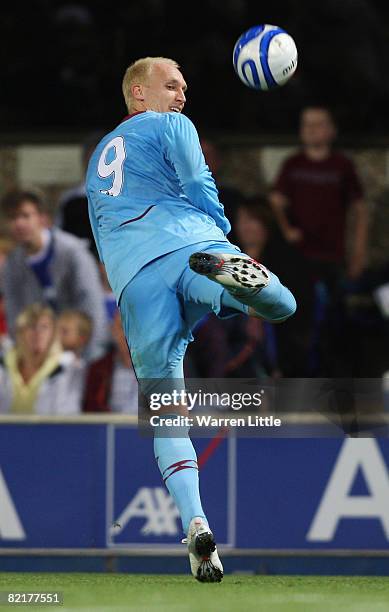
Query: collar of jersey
x=132, y=115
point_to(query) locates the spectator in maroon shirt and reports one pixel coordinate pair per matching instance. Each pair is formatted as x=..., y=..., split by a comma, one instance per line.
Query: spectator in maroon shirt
x=111, y=384
x=314, y=192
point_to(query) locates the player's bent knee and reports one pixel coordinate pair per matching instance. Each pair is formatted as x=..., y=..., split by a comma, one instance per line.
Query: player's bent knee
x=275, y=302
x=278, y=310
x=285, y=308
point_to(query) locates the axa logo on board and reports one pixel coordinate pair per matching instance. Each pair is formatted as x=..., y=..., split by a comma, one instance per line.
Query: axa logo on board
x=11, y=527
x=153, y=504
x=159, y=515
x=336, y=503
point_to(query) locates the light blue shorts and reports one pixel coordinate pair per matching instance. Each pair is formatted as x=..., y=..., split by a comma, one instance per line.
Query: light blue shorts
x=162, y=304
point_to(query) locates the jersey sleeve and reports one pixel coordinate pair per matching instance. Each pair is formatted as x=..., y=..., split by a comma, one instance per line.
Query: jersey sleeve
x=182, y=149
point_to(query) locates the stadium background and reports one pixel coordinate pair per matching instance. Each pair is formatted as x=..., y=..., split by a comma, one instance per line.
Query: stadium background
x=60, y=83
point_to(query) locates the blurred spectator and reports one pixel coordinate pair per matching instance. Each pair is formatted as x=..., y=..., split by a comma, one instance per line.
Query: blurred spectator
x=255, y=236
x=36, y=375
x=109, y=297
x=49, y=266
x=366, y=323
x=313, y=194
x=5, y=248
x=240, y=346
x=254, y=225
x=75, y=331
x=228, y=196
x=315, y=191
x=72, y=215
x=111, y=385
x=259, y=236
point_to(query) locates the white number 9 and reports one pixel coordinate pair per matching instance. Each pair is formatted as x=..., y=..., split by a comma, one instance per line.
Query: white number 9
x=114, y=167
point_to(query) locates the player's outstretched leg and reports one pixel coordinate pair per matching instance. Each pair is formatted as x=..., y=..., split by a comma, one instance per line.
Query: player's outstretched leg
x=247, y=281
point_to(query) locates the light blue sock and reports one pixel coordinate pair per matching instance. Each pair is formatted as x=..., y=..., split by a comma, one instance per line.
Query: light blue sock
x=274, y=302
x=177, y=462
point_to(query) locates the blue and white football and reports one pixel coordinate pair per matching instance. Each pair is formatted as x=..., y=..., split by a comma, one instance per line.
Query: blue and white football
x=265, y=56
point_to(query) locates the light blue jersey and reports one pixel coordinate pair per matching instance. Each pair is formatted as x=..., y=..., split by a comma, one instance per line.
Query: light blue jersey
x=150, y=192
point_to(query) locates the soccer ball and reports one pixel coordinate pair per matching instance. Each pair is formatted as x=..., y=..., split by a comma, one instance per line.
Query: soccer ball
x=265, y=57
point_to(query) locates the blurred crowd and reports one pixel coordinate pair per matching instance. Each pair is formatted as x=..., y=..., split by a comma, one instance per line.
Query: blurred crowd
x=63, y=350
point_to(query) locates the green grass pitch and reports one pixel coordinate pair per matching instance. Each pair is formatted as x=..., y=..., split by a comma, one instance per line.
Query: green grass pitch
x=122, y=592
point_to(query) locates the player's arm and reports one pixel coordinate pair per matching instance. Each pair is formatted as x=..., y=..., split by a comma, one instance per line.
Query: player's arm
x=94, y=226
x=182, y=149
x=279, y=202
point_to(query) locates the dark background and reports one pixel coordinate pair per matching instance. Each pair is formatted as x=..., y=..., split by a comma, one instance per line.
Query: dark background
x=63, y=63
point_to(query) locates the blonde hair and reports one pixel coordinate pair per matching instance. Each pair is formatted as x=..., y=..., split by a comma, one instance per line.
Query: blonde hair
x=138, y=72
x=30, y=316
x=83, y=320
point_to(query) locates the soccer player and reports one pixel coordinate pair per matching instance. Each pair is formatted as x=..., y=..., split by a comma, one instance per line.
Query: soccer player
x=161, y=232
